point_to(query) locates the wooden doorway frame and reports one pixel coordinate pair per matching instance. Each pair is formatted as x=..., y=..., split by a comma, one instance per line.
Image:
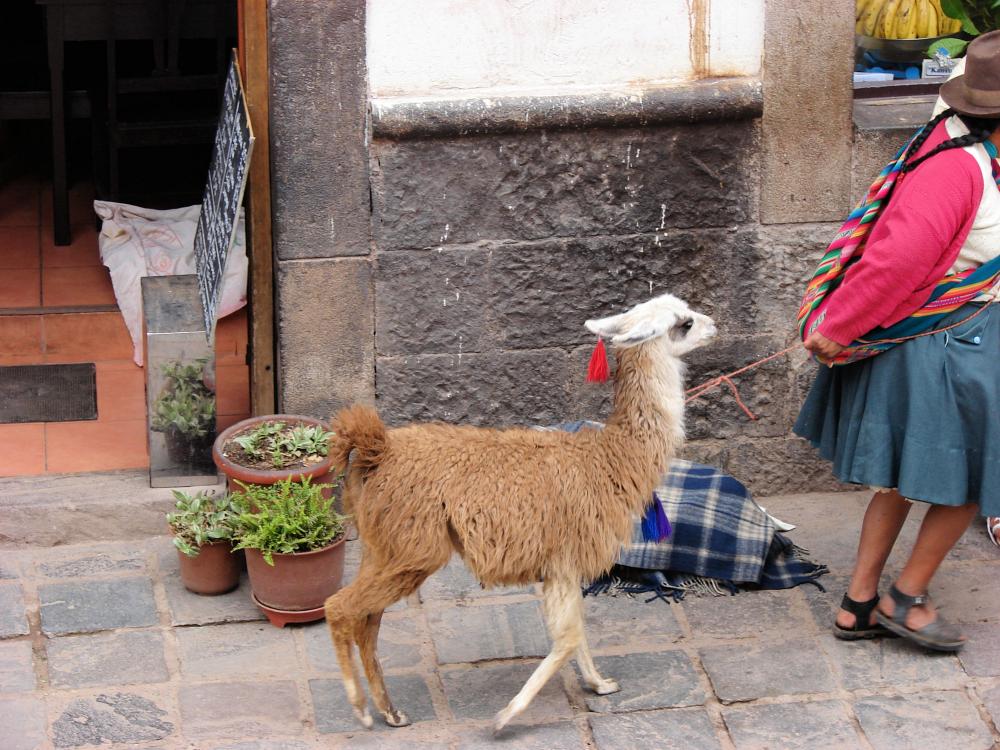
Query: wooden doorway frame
x=253, y=49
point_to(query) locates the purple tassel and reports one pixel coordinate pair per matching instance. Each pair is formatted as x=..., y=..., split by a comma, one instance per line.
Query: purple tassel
x=655, y=524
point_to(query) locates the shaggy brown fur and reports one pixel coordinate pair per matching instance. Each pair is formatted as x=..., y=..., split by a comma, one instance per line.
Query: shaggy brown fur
x=518, y=505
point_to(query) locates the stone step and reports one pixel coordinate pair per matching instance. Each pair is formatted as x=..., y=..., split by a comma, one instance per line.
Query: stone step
x=51, y=510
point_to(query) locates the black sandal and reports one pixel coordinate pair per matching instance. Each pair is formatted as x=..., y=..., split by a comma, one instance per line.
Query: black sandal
x=861, y=630
x=939, y=635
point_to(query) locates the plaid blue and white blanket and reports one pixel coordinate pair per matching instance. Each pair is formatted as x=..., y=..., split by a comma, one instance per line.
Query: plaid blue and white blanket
x=721, y=541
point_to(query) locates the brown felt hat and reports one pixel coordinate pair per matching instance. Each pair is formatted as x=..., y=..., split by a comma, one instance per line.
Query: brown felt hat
x=977, y=92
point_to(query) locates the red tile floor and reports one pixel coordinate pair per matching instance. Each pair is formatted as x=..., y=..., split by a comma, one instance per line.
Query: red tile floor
x=36, y=276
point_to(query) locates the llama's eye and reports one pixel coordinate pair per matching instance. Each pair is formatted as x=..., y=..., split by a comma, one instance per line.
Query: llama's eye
x=687, y=325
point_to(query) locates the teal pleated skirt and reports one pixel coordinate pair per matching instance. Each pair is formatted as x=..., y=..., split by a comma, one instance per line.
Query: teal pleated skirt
x=923, y=417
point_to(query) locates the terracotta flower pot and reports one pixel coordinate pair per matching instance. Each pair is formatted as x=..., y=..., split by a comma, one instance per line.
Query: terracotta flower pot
x=299, y=581
x=320, y=473
x=214, y=570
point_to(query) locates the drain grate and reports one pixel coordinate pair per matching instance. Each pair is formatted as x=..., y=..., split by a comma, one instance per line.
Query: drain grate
x=48, y=393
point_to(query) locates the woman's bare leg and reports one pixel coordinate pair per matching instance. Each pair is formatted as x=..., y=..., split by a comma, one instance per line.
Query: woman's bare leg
x=942, y=527
x=884, y=518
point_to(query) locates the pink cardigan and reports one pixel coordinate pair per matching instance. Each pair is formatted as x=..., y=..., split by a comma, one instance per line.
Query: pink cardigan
x=912, y=245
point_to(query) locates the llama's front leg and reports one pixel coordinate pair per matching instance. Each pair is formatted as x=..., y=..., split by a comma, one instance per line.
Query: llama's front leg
x=564, y=617
x=341, y=631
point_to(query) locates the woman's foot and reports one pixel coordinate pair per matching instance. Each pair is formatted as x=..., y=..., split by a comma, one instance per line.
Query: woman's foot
x=856, y=620
x=914, y=618
x=993, y=529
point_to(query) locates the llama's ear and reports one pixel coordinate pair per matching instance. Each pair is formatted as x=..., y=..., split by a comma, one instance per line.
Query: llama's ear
x=607, y=328
x=628, y=329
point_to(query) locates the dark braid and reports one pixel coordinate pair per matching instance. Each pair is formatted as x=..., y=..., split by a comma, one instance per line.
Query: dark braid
x=980, y=129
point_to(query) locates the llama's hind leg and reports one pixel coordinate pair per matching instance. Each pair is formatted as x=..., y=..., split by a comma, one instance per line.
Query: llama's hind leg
x=564, y=617
x=390, y=586
x=342, y=626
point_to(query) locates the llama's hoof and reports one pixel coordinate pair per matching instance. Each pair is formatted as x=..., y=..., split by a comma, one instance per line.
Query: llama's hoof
x=365, y=718
x=606, y=687
x=500, y=721
x=395, y=718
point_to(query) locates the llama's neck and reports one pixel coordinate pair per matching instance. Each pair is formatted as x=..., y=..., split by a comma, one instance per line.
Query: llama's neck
x=649, y=397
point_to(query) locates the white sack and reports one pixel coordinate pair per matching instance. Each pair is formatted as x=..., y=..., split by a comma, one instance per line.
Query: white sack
x=137, y=242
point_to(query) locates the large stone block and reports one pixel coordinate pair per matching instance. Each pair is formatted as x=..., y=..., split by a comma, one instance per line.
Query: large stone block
x=13, y=617
x=674, y=729
x=409, y=693
x=765, y=390
x=497, y=388
x=543, y=292
x=785, y=257
x=225, y=710
x=432, y=301
x=325, y=328
x=807, y=127
x=471, y=634
x=319, y=161
x=479, y=692
x=22, y=723
x=562, y=184
x=666, y=679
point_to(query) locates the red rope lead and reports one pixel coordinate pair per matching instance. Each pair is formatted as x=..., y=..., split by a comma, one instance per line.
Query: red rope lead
x=700, y=390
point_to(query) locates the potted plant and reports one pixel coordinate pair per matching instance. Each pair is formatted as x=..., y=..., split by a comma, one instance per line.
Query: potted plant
x=184, y=412
x=265, y=450
x=294, y=542
x=203, y=525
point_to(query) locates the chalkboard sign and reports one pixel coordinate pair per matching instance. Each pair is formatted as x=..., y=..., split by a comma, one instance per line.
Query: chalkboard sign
x=220, y=203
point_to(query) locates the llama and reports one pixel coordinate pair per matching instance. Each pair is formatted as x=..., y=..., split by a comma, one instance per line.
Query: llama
x=519, y=505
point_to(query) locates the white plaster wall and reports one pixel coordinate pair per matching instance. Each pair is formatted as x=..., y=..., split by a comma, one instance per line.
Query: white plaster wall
x=434, y=48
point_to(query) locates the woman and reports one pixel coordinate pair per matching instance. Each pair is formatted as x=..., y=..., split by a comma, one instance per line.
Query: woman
x=918, y=421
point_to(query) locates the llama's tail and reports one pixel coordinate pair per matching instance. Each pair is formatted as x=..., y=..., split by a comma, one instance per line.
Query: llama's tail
x=358, y=429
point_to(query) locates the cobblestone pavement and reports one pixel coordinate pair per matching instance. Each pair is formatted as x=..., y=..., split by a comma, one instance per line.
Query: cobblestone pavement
x=102, y=646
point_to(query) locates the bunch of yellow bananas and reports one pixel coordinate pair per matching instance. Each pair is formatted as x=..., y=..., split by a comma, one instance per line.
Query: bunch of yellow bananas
x=902, y=19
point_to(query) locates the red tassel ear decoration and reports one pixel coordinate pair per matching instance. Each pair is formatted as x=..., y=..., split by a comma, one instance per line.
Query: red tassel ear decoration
x=597, y=370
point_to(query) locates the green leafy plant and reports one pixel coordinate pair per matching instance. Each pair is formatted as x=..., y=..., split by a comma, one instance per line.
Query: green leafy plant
x=285, y=444
x=285, y=517
x=976, y=16
x=200, y=519
x=185, y=405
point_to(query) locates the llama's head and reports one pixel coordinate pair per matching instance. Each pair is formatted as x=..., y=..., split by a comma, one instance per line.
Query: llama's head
x=664, y=318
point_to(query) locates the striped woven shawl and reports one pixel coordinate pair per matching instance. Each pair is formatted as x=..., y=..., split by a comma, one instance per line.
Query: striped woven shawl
x=847, y=248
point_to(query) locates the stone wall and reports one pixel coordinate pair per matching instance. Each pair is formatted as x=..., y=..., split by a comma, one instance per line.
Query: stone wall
x=467, y=247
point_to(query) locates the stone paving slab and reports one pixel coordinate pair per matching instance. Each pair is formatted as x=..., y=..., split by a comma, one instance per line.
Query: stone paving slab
x=659, y=680
x=925, y=720
x=759, y=614
x=189, y=609
x=480, y=633
x=761, y=670
x=981, y=655
x=673, y=729
x=480, y=693
x=235, y=650
x=94, y=563
x=561, y=736
x=637, y=626
x=409, y=693
x=22, y=723
x=889, y=662
x=17, y=672
x=112, y=716
x=90, y=606
x=106, y=659
x=805, y=725
x=226, y=710
x=13, y=617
